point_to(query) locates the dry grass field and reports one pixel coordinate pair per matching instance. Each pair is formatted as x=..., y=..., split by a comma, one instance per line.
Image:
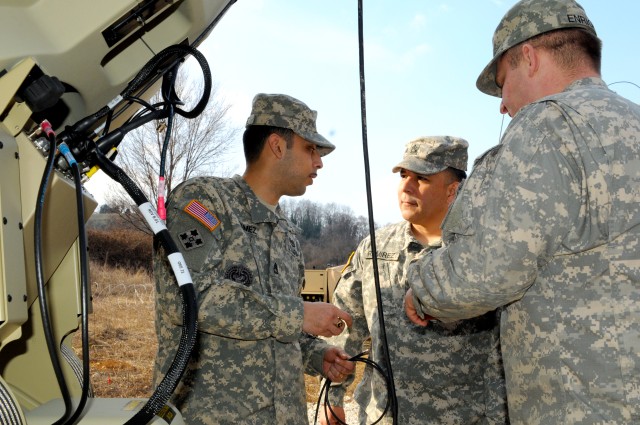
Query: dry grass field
x=122, y=336
x=121, y=332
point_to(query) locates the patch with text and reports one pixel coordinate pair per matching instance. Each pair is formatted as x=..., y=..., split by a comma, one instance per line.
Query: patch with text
x=384, y=255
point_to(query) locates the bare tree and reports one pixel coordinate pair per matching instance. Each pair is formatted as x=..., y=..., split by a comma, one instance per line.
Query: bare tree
x=328, y=232
x=304, y=214
x=196, y=147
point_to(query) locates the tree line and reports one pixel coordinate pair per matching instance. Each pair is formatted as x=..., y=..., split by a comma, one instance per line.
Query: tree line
x=328, y=233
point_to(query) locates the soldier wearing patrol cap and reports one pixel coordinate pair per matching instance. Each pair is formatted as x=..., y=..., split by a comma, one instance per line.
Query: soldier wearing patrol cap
x=548, y=225
x=446, y=373
x=255, y=332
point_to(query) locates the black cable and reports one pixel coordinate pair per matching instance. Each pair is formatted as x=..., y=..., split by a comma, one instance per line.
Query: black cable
x=78, y=138
x=157, y=65
x=168, y=94
x=168, y=59
x=147, y=106
x=107, y=122
x=383, y=334
x=84, y=293
x=165, y=144
x=105, y=143
x=188, y=337
x=327, y=385
x=40, y=283
x=624, y=82
x=208, y=84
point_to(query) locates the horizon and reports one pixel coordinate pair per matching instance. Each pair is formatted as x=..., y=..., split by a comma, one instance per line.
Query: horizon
x=421, y=60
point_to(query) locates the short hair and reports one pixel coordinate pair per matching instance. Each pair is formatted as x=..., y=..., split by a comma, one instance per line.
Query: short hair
x=569, y=47
x=455, y=175
x=255, y=136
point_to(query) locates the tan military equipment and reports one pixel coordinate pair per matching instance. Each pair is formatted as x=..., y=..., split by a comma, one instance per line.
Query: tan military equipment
x=95, y=49
x=320, y=284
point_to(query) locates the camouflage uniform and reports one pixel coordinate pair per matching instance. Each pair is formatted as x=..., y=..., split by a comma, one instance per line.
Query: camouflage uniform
x=247, y=267
x=444, y=373
x=548, y=224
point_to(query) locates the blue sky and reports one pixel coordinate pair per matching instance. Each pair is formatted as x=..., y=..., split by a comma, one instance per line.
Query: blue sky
x=422, y=58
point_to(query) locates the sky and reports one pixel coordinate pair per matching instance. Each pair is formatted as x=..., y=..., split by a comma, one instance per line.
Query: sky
x=421, y=62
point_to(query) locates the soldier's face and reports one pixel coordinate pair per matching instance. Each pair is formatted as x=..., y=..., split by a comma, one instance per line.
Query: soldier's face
x=424, y=199
x=516, y=80
x=303, y=162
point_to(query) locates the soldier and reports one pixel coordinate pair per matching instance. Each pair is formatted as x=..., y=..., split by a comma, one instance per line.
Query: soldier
x=548, y=225
x=445, y=373
x=255, y=332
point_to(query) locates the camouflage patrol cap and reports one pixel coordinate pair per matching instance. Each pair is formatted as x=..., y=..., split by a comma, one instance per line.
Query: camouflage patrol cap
x=280, y=110
x=430, y=155
x=525, y=20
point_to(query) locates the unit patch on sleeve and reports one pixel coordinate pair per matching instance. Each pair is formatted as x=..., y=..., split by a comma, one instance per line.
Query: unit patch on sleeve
x=198, y=211
x=191, y=239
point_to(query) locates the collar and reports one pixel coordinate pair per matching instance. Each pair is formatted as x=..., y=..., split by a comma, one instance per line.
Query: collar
x=411, y=244
x=586, y=82
x=260, y=213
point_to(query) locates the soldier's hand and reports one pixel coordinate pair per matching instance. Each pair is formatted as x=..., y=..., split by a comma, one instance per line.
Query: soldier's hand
x=411, y=312
x=324, y=319
x=338, y=412
x=336, y=365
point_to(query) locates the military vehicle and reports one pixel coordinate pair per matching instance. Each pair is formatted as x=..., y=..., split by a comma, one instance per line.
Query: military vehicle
x=320, y=284
x=81, y=71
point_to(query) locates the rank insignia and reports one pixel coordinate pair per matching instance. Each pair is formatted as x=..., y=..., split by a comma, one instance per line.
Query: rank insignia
x=198, y=211
x=191, y=239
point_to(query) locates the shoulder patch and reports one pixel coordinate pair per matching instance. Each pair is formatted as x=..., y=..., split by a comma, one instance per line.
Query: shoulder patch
x=191, y=239
x=198, y=211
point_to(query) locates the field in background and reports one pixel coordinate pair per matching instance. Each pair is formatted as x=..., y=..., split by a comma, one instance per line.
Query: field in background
x=121, y=332
x=122, y=335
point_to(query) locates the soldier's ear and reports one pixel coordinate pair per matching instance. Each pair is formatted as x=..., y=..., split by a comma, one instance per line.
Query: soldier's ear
x=452, y=191
x=276, y=145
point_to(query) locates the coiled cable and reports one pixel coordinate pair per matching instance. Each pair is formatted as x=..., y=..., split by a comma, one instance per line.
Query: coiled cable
x=324, y=391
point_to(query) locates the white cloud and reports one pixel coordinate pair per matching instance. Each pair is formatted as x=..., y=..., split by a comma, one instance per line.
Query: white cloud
x=418, y=22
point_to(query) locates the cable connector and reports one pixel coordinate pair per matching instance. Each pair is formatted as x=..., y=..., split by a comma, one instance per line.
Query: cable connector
x=64, y=150
x=111, y=155
x=48, y=130
x=162, y=211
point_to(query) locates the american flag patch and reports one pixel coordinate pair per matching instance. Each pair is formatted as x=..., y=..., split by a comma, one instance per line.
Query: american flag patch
x=196, y=210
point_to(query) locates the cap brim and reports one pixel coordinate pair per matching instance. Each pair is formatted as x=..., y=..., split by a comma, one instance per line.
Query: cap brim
x=325, y=147
x=486, y=82
x=418, y=166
